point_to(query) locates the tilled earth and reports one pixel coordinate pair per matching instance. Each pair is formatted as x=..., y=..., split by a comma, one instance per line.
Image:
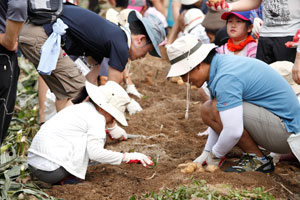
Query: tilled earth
x=172, y=140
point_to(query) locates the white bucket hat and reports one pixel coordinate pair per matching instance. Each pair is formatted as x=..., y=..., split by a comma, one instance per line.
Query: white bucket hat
x=111, y=97
x=120, y=19
x=192, y=18
x=185, y=53
x=188, y=2
x=284, y=68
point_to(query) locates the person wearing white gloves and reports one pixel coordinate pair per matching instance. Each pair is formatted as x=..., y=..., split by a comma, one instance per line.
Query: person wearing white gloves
x=65, y=143
x=252, y=105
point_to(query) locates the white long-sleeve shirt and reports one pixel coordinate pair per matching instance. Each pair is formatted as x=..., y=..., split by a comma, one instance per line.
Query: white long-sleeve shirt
x=69, y=139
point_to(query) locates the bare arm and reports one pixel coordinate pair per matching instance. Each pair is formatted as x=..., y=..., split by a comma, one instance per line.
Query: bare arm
x=115, y=75
x=244, y=5
x=9, y=39
x=296, y=69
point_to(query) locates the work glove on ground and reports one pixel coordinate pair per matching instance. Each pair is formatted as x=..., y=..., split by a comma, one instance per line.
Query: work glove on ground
x=131, y=89
x=202, y=158
x=209, y=159
x=138, y=158
x=213, y=160
x=133, y=107
x=116, y=132
x=220, y=6
x=257, y=24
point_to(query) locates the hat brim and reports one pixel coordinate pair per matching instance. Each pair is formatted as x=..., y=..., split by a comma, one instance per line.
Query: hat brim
x=186, y=65
x=192, y=25
x=188, y=2
x=99, y=98
x=225, y=16
x=133, y=17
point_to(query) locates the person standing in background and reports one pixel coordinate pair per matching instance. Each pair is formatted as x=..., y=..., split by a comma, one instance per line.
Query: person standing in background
x=13, y=13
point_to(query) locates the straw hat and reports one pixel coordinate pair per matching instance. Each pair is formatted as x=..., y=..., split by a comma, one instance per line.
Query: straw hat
x=192, y=18
x=284, y=68
x=111, y=97
x=120, y=19
x=185, y=53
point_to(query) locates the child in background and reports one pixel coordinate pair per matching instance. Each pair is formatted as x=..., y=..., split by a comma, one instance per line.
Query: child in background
x=192, y=22
x=239, y=28
x=145, y=7
x=64, y=145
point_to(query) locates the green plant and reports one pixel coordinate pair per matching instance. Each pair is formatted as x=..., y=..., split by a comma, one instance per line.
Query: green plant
x=201, y=190
x=14, y=174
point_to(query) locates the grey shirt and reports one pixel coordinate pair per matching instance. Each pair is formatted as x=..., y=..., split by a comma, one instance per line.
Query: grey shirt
x=15, y=10
x=281, y=18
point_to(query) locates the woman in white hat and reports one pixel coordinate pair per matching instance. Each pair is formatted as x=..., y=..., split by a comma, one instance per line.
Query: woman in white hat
x=65, y=143
x=251, y=104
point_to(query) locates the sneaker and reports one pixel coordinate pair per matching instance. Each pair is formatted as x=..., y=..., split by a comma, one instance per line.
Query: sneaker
x=249, y=162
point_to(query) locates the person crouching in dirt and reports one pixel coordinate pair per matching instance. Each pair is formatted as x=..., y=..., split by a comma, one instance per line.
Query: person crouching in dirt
x=85, y=33
x=251, y=104
x=64, y=145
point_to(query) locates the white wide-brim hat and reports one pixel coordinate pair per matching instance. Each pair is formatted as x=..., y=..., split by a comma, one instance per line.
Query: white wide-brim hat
x=188, y=2
x=120, y=19
x=192, y=18
x=284, y=68
x=185, y=53
x=111, y=97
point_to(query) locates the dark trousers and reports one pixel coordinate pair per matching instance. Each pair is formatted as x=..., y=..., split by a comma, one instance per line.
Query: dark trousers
x=51, y=177
x=9, y=74
x=272, y=49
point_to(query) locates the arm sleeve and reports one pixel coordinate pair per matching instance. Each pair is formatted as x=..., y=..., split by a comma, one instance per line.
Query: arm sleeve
x=95, y=145
x=298, y=48
x=17, y=10
x=232, y=120
x=211, y=140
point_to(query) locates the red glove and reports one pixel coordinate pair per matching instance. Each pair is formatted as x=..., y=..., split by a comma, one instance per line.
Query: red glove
x=294, y=43
x=137, y=158
x=221, y=5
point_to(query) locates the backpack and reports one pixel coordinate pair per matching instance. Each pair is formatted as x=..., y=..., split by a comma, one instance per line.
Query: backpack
x=44, y=11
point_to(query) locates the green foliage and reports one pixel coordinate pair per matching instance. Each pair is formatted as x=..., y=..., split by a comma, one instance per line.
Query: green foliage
x=14, y=173
x=201, y=190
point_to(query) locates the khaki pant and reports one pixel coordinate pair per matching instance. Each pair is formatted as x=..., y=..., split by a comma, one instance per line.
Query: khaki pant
x=266, y=129
x=66, y=80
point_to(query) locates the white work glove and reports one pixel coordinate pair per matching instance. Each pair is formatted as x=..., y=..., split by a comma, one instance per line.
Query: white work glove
x=117, y=132
x=221, y=5
x=213, y=160
x=131, y=89
x=209, y=159
x=202, y=157
x=257, y=24
x=137, y=158
x=133, y=107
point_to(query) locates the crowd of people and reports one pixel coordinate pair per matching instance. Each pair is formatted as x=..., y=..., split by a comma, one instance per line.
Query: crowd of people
x=235, y=52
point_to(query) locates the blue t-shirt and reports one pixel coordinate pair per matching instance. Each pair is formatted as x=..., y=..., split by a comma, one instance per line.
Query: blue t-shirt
x=91, y=35
x=234, y=79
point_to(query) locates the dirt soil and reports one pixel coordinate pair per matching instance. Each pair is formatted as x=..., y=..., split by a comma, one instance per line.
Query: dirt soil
x=171, y=140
